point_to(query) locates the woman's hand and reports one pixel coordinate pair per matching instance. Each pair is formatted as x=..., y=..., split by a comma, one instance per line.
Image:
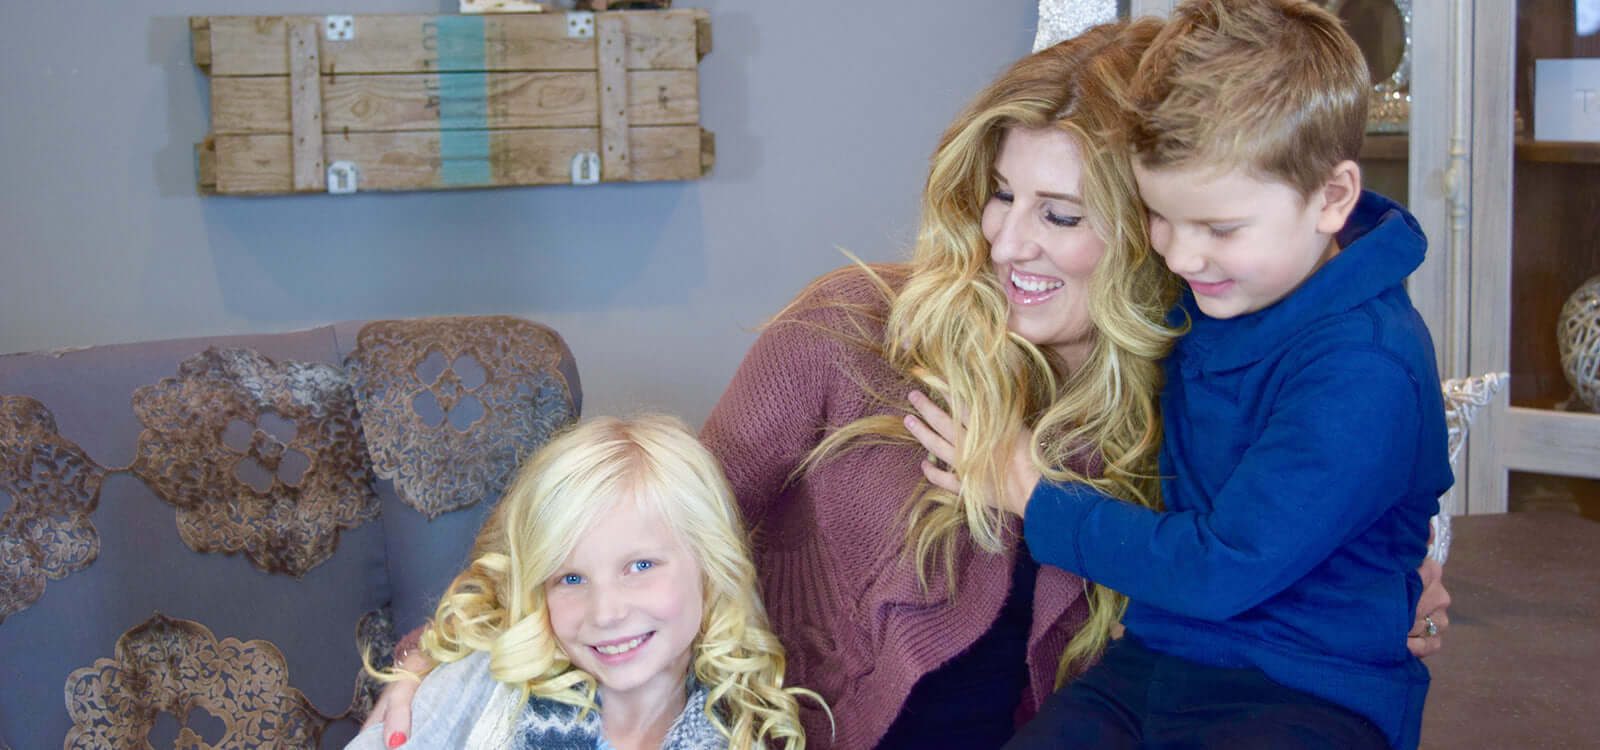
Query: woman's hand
x=393, y=708
x=939, y=434
x=1432, y=606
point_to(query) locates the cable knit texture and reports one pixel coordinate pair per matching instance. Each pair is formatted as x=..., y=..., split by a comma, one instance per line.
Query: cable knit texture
x=830, y=546
x=460, y=705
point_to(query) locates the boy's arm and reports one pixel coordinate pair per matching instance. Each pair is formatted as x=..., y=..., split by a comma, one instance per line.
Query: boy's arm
x=1337, y=450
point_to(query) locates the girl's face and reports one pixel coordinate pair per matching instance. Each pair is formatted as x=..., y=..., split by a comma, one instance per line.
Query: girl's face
x=626, y=604
x=1041, y=244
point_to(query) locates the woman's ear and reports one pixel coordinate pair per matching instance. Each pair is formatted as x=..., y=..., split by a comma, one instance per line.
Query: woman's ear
x=1339, y=196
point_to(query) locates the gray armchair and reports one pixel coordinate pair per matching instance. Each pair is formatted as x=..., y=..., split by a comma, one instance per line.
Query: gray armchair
x=201, y=536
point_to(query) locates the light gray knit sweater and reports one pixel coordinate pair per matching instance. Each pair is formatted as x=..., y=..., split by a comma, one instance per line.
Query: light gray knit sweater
x=459, y=705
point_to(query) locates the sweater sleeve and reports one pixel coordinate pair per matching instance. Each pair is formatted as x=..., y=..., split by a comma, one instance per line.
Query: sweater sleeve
x=1335, y=454
x=772, y=414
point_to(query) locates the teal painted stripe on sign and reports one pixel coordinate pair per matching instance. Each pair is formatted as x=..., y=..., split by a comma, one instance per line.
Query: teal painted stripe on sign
x=460, y=43
x=463, y=103
x=464, y=158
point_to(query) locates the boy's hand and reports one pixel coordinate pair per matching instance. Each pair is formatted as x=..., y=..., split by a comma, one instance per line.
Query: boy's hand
x=939, y=433
x=1432, y=608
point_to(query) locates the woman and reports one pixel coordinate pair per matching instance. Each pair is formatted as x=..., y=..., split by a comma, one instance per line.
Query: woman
x=1034, y=299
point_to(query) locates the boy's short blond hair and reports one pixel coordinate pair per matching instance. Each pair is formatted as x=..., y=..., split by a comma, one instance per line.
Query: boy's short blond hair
x=1277, y=87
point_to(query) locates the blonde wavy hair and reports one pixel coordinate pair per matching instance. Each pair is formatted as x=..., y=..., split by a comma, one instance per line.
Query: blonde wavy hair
x=497, y=605
x=946, y=324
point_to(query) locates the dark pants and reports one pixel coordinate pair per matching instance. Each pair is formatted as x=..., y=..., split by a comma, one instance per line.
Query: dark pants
x=1137, y=698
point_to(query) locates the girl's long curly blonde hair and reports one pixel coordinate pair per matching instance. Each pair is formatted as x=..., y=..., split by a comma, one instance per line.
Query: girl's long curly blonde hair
x=947, y=321
x=497, y=604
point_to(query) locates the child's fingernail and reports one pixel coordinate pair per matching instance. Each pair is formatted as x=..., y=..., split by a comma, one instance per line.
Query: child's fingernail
x=397, y=739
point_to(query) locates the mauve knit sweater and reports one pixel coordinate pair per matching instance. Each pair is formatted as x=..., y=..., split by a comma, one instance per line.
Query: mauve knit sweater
x=828, y=547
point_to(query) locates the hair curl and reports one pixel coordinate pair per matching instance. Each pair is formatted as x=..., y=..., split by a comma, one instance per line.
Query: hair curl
x=497, y=605
x=946, y=324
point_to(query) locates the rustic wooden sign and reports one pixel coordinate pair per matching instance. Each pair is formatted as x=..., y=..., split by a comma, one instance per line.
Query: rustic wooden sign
x=417, y=102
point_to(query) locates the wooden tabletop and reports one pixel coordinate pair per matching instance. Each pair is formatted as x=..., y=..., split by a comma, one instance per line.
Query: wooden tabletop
x=1521, y=662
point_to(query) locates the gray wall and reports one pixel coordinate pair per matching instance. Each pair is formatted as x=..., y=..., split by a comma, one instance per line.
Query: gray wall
x=824, y=111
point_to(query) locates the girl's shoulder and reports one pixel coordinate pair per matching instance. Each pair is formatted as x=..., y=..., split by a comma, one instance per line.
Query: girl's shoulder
x=694, y=729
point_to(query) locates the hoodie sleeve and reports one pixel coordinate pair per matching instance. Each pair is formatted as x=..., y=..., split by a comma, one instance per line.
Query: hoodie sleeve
x=1334, y=457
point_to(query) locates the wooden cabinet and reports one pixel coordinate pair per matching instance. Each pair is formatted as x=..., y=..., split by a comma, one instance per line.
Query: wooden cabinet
x=1516, y=229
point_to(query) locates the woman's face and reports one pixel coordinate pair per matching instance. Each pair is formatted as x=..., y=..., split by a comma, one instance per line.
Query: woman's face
x=1040, y=240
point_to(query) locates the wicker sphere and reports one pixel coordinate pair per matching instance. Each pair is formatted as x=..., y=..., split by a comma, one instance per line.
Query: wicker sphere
x=1578, y=336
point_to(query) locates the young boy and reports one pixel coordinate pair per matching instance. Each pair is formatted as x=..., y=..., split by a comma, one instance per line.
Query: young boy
x=1304, y=443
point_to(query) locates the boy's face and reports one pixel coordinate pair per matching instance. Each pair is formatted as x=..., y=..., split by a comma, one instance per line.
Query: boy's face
x=1242, y=243
x=626, y=605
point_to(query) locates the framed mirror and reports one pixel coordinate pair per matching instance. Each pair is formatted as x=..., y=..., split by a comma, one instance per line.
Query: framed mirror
x=1382, y=29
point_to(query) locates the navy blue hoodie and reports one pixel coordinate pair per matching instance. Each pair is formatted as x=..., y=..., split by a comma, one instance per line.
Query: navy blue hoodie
x=1304, y=452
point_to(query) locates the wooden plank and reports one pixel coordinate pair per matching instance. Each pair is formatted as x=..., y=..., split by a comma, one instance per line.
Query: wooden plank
x=1552, y=442
x=249, y=164
x=305, y=105
x=702, y=34
x=243, y=105
x=708, y=151
x=660, y=39
x=610, y=44
x=501, y=6
x=253, y=45
x=205, y=167
x=200, y=33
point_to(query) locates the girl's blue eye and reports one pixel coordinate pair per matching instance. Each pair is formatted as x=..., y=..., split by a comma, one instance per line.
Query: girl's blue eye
x=570, y=579
x=1062, y=221
x=639, y=566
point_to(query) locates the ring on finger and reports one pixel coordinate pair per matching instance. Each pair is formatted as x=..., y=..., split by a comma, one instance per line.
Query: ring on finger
x=1433, y=629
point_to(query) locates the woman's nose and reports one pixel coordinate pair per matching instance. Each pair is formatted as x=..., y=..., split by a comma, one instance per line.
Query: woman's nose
x=1012, y=241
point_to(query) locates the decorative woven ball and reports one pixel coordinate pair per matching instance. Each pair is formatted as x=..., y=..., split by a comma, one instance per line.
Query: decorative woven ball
x=1578, y=336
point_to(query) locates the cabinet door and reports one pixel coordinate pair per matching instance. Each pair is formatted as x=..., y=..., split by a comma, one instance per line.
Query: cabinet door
x=1535, y=230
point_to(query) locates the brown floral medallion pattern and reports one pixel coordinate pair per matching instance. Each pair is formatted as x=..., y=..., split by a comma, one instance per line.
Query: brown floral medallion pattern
x=415, y=378
x=375, y=639
x=308, y=485
x=167, y=665
x=54, y=487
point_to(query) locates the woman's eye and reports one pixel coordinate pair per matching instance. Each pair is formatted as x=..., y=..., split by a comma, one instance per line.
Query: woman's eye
x=1062, y=221
x=1220, y=232
x=639, y=566
x=1002, y=196
x=570, y=579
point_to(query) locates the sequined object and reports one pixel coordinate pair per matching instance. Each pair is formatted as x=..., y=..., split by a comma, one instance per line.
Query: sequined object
x=1060, y=20
x=47, y=532
x=172, y=666
x=1578, y=339
x=1463, y=397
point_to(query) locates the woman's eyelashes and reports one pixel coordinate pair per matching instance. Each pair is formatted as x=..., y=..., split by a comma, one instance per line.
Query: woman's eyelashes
x=1221, y=232
x=1061, y=221
x=1050, y=216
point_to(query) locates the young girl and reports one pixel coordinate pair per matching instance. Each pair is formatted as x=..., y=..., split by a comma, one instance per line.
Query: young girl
x=611, y=604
